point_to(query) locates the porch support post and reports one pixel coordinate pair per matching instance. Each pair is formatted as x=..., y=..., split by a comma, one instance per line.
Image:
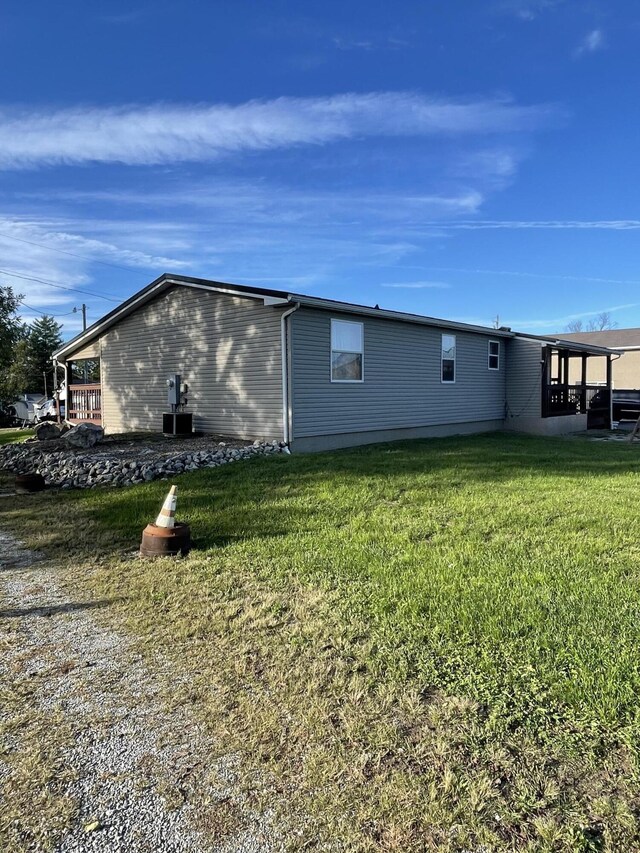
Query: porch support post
x=609, y=384
x=547, y=370
x=583, y=394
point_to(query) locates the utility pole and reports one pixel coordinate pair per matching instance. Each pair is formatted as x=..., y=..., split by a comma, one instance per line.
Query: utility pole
x=84, y=316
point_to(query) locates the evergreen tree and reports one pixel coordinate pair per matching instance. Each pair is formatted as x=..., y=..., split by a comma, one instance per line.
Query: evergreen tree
x=42, y=341
x=12, y=331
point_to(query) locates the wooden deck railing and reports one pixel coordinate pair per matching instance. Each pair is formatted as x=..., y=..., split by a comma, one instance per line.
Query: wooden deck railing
x=84, y=404
x=567, y=399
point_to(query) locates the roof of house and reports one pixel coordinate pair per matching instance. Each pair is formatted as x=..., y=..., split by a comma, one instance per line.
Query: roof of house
x=566, y=344
x=612, y=338
x=272, y=297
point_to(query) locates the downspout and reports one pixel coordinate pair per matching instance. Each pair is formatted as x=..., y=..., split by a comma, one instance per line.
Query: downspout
x=610, y=360
x=285, y=373
x=55, y=394
x=67, y=393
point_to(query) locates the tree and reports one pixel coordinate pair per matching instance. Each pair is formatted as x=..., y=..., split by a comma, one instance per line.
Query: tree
x=31, y=360
x=42, y=341
x=11, y=332
x=600, y=323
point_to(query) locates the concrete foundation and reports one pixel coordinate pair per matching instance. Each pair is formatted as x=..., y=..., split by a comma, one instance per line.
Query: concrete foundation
x=316, y=443
x=548, y=426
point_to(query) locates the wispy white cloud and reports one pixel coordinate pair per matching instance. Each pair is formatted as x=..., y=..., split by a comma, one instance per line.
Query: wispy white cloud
x=417, y=285
x=527, y=10
x=559, y=322
x=491, y=162
x=45, y=236
x=545, y=325
x=51, y=263
x=369, y=44
x=592, y=42
x=178, y=133
x=352, y=44
x=514, y=224
x=550, y=276
x=264, y=202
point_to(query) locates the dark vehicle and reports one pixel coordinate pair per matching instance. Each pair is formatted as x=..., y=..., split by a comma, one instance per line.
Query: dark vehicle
x=626, y=407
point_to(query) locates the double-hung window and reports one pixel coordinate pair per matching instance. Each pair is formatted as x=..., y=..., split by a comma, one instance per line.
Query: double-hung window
x=494, y=355
x=347, y=351
x=448, y=359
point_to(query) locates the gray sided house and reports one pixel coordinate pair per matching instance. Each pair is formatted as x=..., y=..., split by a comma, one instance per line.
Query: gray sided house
x=315, y=373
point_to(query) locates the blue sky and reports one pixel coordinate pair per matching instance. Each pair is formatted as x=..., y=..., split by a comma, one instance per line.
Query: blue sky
x=459, y=159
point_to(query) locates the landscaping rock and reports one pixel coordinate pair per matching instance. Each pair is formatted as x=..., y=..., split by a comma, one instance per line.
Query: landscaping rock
x=118, y=463
x=84, y=435
x=46, y=431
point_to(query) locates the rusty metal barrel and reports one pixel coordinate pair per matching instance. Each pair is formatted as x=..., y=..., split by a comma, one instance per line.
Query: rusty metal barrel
x=26, y=484
x=165, y=541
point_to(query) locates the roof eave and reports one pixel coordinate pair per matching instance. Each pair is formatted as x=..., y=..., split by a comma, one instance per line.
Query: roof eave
x=363, y=310
x=563, y=343
x=163, y=282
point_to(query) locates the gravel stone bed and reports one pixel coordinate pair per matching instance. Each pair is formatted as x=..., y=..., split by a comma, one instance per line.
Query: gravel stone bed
x=144, y=776
x=120, y=462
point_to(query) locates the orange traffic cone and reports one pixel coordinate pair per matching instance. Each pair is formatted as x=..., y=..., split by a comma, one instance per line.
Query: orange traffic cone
x=166, y=537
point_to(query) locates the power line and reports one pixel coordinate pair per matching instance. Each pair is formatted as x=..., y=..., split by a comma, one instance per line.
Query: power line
x=58, y=286
x=65, y=252
x=46, y=313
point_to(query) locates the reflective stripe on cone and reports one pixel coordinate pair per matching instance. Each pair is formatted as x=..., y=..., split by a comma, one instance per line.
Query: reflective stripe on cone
x=167, y=516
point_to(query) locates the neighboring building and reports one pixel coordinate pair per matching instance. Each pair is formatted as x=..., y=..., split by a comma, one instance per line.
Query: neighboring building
x=313, y=372
x=626, y=371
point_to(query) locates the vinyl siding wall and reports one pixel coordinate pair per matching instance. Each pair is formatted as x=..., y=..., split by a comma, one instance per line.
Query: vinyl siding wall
x=90, y=351
x=226, y=348
x=401, y=388
x=626, y=370
x=524, y=379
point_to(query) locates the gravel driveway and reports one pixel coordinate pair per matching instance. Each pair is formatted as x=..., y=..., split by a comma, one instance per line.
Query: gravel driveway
x=142, y=776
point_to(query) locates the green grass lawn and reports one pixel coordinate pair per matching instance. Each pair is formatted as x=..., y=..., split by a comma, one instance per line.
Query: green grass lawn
x=423, y=646
x=10, y=436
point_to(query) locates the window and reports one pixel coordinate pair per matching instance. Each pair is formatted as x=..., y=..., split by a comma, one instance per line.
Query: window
x=84, y=371
x=448, y=371
x=494, y=355
x=347, y=351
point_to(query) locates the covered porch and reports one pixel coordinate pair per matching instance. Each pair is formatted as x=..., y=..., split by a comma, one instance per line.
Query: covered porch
x=84, y=391
x=566, y=385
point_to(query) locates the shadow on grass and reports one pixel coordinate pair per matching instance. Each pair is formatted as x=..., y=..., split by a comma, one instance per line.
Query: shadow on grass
x=54, y=609
x=271, y=498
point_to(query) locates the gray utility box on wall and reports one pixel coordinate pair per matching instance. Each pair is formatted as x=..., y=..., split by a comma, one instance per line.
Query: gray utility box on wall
x=177, y=423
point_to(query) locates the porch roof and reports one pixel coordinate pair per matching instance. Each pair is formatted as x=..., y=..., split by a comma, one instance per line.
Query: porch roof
x=577, y=347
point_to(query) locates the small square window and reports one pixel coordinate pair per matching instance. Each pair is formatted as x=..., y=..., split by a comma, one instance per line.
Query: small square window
x=494, y=355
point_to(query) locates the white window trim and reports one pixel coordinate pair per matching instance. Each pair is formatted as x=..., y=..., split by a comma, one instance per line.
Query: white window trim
x=355, y=352
x=454, y=359
x=489, y=354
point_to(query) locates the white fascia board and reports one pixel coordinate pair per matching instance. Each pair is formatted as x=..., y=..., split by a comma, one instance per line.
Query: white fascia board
x=276, y=300
x=226, y=290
